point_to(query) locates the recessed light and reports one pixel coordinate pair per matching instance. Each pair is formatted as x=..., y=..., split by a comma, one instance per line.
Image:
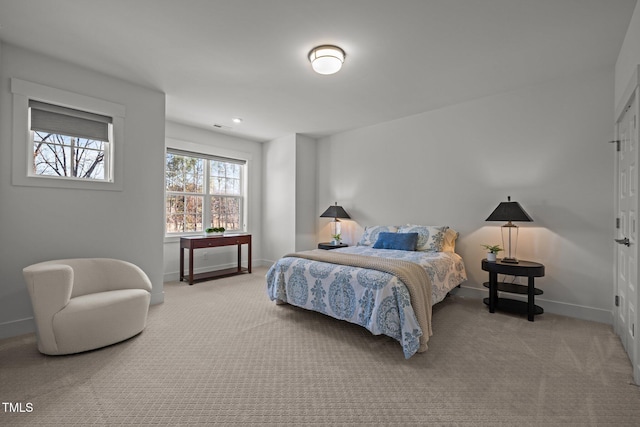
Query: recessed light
x=237, y=120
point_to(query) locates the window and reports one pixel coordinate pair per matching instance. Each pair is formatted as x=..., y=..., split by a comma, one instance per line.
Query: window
x=203, y=191
x=69, y=143
x=64, y=139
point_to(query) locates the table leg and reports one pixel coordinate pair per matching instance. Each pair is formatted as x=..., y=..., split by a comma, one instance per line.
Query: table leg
x=190, y=266
x=249, y=257
x=181, y=264
x=531, y=306
x=493, y=291
x=239, y=257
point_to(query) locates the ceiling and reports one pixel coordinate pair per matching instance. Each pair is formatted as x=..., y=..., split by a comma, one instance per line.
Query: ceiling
x=219, y=59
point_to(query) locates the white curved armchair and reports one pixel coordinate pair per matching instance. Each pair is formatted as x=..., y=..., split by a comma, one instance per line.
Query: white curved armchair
x=86, y=303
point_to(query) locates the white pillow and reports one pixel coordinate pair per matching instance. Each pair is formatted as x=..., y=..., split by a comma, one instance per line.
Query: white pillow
x=430, y=238
x=370, y=235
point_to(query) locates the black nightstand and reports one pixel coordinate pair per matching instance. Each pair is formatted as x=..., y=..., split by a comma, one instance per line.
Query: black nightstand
x=524, y=269
x=329, y=245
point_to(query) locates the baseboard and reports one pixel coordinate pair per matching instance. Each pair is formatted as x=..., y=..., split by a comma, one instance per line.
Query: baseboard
x=565, y=309
x=157, y=298
x=14, y=328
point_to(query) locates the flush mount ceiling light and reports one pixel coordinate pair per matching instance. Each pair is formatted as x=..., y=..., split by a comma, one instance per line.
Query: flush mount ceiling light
x=237, y=120
x=326, y=59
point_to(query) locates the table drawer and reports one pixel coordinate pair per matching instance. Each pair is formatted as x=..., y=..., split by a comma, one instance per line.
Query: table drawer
x=212, y=242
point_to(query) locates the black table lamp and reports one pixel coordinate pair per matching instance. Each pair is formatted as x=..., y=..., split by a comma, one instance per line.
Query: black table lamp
x=510, y=211
x=335, y=212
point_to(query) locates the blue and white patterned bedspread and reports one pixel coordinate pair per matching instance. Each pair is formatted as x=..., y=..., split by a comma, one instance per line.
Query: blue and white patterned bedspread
x=376, y=300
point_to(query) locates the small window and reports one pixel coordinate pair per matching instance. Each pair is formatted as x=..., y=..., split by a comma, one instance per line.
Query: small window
x=69, y=143
x=203, y=191
x=64, y=139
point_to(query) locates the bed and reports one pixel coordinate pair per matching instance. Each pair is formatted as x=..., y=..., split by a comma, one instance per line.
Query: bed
x=365, y=284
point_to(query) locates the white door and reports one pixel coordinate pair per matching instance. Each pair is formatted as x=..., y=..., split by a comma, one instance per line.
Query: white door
x=626, y=309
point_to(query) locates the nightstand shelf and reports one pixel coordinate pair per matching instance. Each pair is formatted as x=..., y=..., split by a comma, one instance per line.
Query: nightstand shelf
x=514, y=288
x=514, y=306
x=329, y=245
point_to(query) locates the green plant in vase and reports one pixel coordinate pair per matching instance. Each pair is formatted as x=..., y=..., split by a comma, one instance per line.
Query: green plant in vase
x=492, y=254
x=216, y=231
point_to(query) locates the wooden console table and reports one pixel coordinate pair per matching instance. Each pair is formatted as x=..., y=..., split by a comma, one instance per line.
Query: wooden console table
x=200, y=242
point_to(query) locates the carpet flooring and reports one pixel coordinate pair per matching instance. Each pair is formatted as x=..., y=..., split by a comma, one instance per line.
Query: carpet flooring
x=221, y=353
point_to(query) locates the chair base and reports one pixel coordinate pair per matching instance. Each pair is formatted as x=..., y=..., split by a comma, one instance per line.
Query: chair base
x=97, y=320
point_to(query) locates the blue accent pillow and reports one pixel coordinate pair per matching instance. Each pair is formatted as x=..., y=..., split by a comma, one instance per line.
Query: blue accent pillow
x=403, y=242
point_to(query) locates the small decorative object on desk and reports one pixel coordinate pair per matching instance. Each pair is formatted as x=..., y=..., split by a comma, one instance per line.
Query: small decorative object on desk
x=214, y=231
x=492, y=255
x=336, y=239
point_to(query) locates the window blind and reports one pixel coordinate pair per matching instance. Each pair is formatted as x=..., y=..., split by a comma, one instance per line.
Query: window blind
x=206, y=156
x=68, y=121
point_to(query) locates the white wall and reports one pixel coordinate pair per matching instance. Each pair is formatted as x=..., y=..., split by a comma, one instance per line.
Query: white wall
x=38, y=224
x=210, y=142
x=279, y=197
x=545, y=146
x=628, y=58
x=306, y=188
x=289, y=196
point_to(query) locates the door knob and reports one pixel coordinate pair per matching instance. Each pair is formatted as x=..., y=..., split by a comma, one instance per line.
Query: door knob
x=624, y=241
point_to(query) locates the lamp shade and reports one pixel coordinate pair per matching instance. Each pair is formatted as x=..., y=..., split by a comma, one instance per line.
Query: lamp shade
x=335, y=212
x=509, y=211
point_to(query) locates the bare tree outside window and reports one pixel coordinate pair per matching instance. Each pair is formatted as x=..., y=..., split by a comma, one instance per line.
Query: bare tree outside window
x=184, y=186
x=67, y=156
x=202, y=193
x=225, y=187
